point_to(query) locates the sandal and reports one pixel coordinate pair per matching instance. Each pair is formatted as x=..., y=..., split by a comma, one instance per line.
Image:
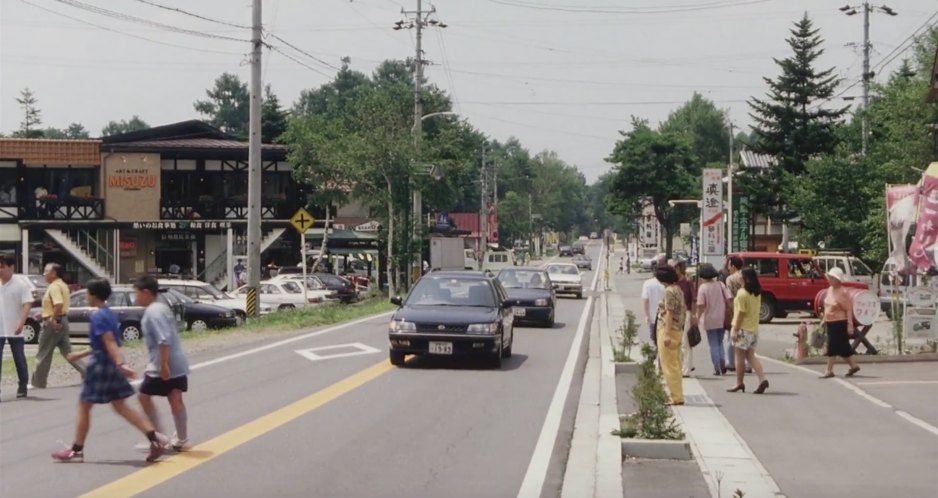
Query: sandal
x=827, y=375
x=853, y=371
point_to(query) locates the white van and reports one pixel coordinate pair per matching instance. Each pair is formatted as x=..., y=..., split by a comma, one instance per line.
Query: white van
x=854, y=269
x=497, y=260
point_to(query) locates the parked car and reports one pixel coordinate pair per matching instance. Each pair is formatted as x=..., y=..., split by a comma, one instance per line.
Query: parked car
x=583, y=262
x=341, y=289
x=594, y=235
x=649, y=262
x=452, y=313
x=37, y=286
x=566, y=279
x=530, y=294
x=285, y=294
x=201, y=316
x=579, y=248
x=790, y=282
x=122, y=303
x=854, y=269
x=202, y=292
x=566, y=251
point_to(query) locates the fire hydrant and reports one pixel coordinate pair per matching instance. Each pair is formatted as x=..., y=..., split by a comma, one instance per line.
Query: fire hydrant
x=801, y=341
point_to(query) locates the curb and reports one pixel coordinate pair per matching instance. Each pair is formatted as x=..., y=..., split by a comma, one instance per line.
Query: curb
x=626, y=367
x=656, y=450
x=873, y=358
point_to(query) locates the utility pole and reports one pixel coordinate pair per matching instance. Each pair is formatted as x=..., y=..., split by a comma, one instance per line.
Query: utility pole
x=729, y=191
x=254, y=165
x=483, y=214
x=417, y=19
x=867, y=74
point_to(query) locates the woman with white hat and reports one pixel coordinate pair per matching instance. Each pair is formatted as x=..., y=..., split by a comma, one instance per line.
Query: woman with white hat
x=838, y=319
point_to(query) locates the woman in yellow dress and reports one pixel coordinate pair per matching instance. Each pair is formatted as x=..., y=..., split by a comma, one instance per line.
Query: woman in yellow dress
x=669, y=330
x=745, y=330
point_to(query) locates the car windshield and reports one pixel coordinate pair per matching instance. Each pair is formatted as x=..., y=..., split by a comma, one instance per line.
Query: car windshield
x=442, y=291
x=291, y=287
x=212, y=291
x=37, y=280
x=179, y=296
x=523, y=279
x=562, y=269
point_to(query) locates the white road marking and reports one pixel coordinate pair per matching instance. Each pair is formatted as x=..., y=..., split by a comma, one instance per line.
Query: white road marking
x=865, y=395
x=277, y=344
x=317, y=354
x=897, y=382
x=536, y=474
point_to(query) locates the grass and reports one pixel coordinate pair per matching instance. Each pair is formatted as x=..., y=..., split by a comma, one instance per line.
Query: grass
x=275, y=322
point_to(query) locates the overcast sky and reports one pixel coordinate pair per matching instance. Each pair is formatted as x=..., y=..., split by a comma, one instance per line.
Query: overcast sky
x=559, y=74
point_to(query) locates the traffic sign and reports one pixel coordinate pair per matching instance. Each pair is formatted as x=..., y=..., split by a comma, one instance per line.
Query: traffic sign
x=301, y=220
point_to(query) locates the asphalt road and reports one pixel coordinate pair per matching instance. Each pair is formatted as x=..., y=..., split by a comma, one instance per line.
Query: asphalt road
x=280, y=423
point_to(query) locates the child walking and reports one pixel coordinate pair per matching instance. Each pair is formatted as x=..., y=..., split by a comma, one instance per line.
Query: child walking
x=106, y=378
x=168, y=368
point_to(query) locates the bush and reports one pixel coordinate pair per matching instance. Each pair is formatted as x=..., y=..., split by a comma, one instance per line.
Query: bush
x=628, y=333
x=652, y=419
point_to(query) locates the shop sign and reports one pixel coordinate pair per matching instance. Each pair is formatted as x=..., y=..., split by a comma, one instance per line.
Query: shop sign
x=371, y=226
x=713, y=232
x=132, y=179
x=181, y=225
x=128, y=247
x=177, y=237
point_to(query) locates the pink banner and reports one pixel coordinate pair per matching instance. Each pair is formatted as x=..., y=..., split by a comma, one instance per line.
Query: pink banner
x=901, y=204
x=926, y=232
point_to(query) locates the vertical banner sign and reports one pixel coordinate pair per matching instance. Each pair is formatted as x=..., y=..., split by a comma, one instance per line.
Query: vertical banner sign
x=901, y=202
x=741, y=223
x=712, y=213
x=922, y=251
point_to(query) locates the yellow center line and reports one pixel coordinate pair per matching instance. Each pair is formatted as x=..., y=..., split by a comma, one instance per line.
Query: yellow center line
x=160, y=472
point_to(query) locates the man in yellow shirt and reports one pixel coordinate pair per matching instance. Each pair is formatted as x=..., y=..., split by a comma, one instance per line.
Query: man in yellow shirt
x=54, y=332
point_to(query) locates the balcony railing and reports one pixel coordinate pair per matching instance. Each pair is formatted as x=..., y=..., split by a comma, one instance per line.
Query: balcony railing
x=226, y=209
x=72, y=208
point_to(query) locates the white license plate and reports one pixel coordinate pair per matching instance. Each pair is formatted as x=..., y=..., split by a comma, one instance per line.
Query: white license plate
x=441, y=347
x=520, y=311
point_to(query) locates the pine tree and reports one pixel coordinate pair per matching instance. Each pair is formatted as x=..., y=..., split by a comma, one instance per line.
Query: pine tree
x=273, y=117
x=32, y=116
x=791, y=123
x=228, y=105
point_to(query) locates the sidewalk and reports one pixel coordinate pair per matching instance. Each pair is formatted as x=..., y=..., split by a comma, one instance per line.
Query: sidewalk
x=804, y=437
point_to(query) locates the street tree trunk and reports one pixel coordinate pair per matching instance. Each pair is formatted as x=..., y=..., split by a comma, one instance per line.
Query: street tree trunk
x=392, y=287
x=325, y=240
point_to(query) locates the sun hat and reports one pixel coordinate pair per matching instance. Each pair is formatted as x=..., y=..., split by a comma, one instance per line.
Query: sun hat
x=837, y=273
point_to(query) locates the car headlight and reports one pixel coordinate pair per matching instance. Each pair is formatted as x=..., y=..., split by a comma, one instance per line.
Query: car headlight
x=540, y=302
x=402, y=326
x=483, y=328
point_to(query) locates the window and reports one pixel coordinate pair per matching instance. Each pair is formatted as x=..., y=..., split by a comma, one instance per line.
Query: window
x=8, y=182
x=269, y=289
x=292, y=287
x=78, y=300
x=121, y=299
x=765, y=267
x=275, y=186
x=859, y=268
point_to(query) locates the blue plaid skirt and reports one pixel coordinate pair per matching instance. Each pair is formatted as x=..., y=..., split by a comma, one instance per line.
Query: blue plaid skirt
x=104, y=382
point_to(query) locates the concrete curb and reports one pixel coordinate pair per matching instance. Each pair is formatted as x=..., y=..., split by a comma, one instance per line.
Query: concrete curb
x=656, y=450
x=626, y=367
x=874, y=358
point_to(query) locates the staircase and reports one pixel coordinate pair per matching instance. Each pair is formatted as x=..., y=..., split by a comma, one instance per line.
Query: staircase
x=93, y=249
x=217, y=272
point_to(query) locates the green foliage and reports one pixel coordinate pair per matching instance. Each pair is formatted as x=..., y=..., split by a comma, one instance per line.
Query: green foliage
x=704, y=127
x=32, y=116
x=628, y=332
x=652, y=419
x=655, y=167
x=273, y=118
x=790, y=123
x=228, y=105
x=124, y=126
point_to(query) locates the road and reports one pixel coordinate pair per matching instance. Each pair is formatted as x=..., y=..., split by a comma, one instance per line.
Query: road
x=279, y=422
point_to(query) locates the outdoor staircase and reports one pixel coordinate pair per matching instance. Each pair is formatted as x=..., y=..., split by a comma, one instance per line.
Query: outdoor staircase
x=217, y=272
x=93, y=249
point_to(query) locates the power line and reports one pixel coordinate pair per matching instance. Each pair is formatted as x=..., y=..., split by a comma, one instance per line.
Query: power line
x=294, y=59
x=131, y=35
x=599, y=83
x=610, y=103
x=910, y=40
x=627, y=10
x=127, y=17
x=191, y=14
x=447, y=67
x=304, y=52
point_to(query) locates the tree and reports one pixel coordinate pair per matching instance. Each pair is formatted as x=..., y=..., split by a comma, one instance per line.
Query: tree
x=124, y=126
x=76, y=130
x=228, y=105
x=792, y=124
x=32, y=116
x=704, y=126
x=654, y=167
x=273, y=118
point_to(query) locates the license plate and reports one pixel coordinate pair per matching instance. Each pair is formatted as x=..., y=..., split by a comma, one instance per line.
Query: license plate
x=520, y=311
x=441, y=348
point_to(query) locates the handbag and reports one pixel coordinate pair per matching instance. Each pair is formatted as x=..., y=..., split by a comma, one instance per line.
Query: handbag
x=818, y=337
x=693, y=336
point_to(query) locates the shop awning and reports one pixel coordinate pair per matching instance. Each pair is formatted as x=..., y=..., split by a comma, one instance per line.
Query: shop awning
x=349, y=251
x=343, y=239
x=9, y=232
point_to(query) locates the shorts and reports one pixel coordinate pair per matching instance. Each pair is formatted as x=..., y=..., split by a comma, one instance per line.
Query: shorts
x=155, y=386
x=746, y=341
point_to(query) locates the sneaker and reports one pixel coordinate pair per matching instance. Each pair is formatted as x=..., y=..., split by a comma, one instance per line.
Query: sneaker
x=157, y=448
x=67, y=454
x=20, y=394
x=179, y=444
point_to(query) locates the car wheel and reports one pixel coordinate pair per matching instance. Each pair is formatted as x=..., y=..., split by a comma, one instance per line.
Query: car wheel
x=396, y=358
x=130, y=332
x=240, y=318
x=506, y=353
x=767, y=310
x=286, y=307
x=497, y=357
x=31, y=332
x=198, y=325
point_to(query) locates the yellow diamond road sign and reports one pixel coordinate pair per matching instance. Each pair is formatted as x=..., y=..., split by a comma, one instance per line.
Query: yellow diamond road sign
x=302, y=220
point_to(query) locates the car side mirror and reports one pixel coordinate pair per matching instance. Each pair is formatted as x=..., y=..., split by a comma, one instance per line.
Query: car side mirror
x=397, y=301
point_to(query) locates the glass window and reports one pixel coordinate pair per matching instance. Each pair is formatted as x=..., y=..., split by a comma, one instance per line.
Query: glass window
x=859, y=268
x=292, y=287
x=120, y=299
x=563, y=269
x=766, y=267
x=8, y=182
x=270, y=289
x=78, y=300
x=275, y=186
x=451, y=291
x=515, y=279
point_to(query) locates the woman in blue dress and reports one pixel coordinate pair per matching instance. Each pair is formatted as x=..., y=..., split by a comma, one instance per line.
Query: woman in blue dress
x=106, y=378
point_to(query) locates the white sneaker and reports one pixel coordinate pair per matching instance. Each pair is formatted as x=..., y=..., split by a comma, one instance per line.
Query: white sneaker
x=179, y=444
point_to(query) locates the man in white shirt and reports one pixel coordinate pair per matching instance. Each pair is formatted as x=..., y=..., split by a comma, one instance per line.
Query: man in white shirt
x=15, y=303
x=652, y=293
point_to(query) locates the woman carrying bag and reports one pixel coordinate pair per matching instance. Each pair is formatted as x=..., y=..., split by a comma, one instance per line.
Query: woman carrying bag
x=838, y=320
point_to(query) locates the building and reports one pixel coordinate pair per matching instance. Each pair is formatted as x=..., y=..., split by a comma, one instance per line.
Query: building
x=167, y=199
x=750, y=231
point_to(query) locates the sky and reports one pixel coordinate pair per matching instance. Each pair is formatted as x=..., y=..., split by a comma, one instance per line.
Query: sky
x=564, y=75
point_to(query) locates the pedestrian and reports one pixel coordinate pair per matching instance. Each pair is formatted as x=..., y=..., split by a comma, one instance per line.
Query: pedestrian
x=55, y=330
x=838, y=319
x=628, y=264
x=15, y=303
x=734, y=282
x=745, y=330
x=168, y=368
x=690, y=303
x=652, y=292
x=106, y=382
x=670, y=334
x=712, y=297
